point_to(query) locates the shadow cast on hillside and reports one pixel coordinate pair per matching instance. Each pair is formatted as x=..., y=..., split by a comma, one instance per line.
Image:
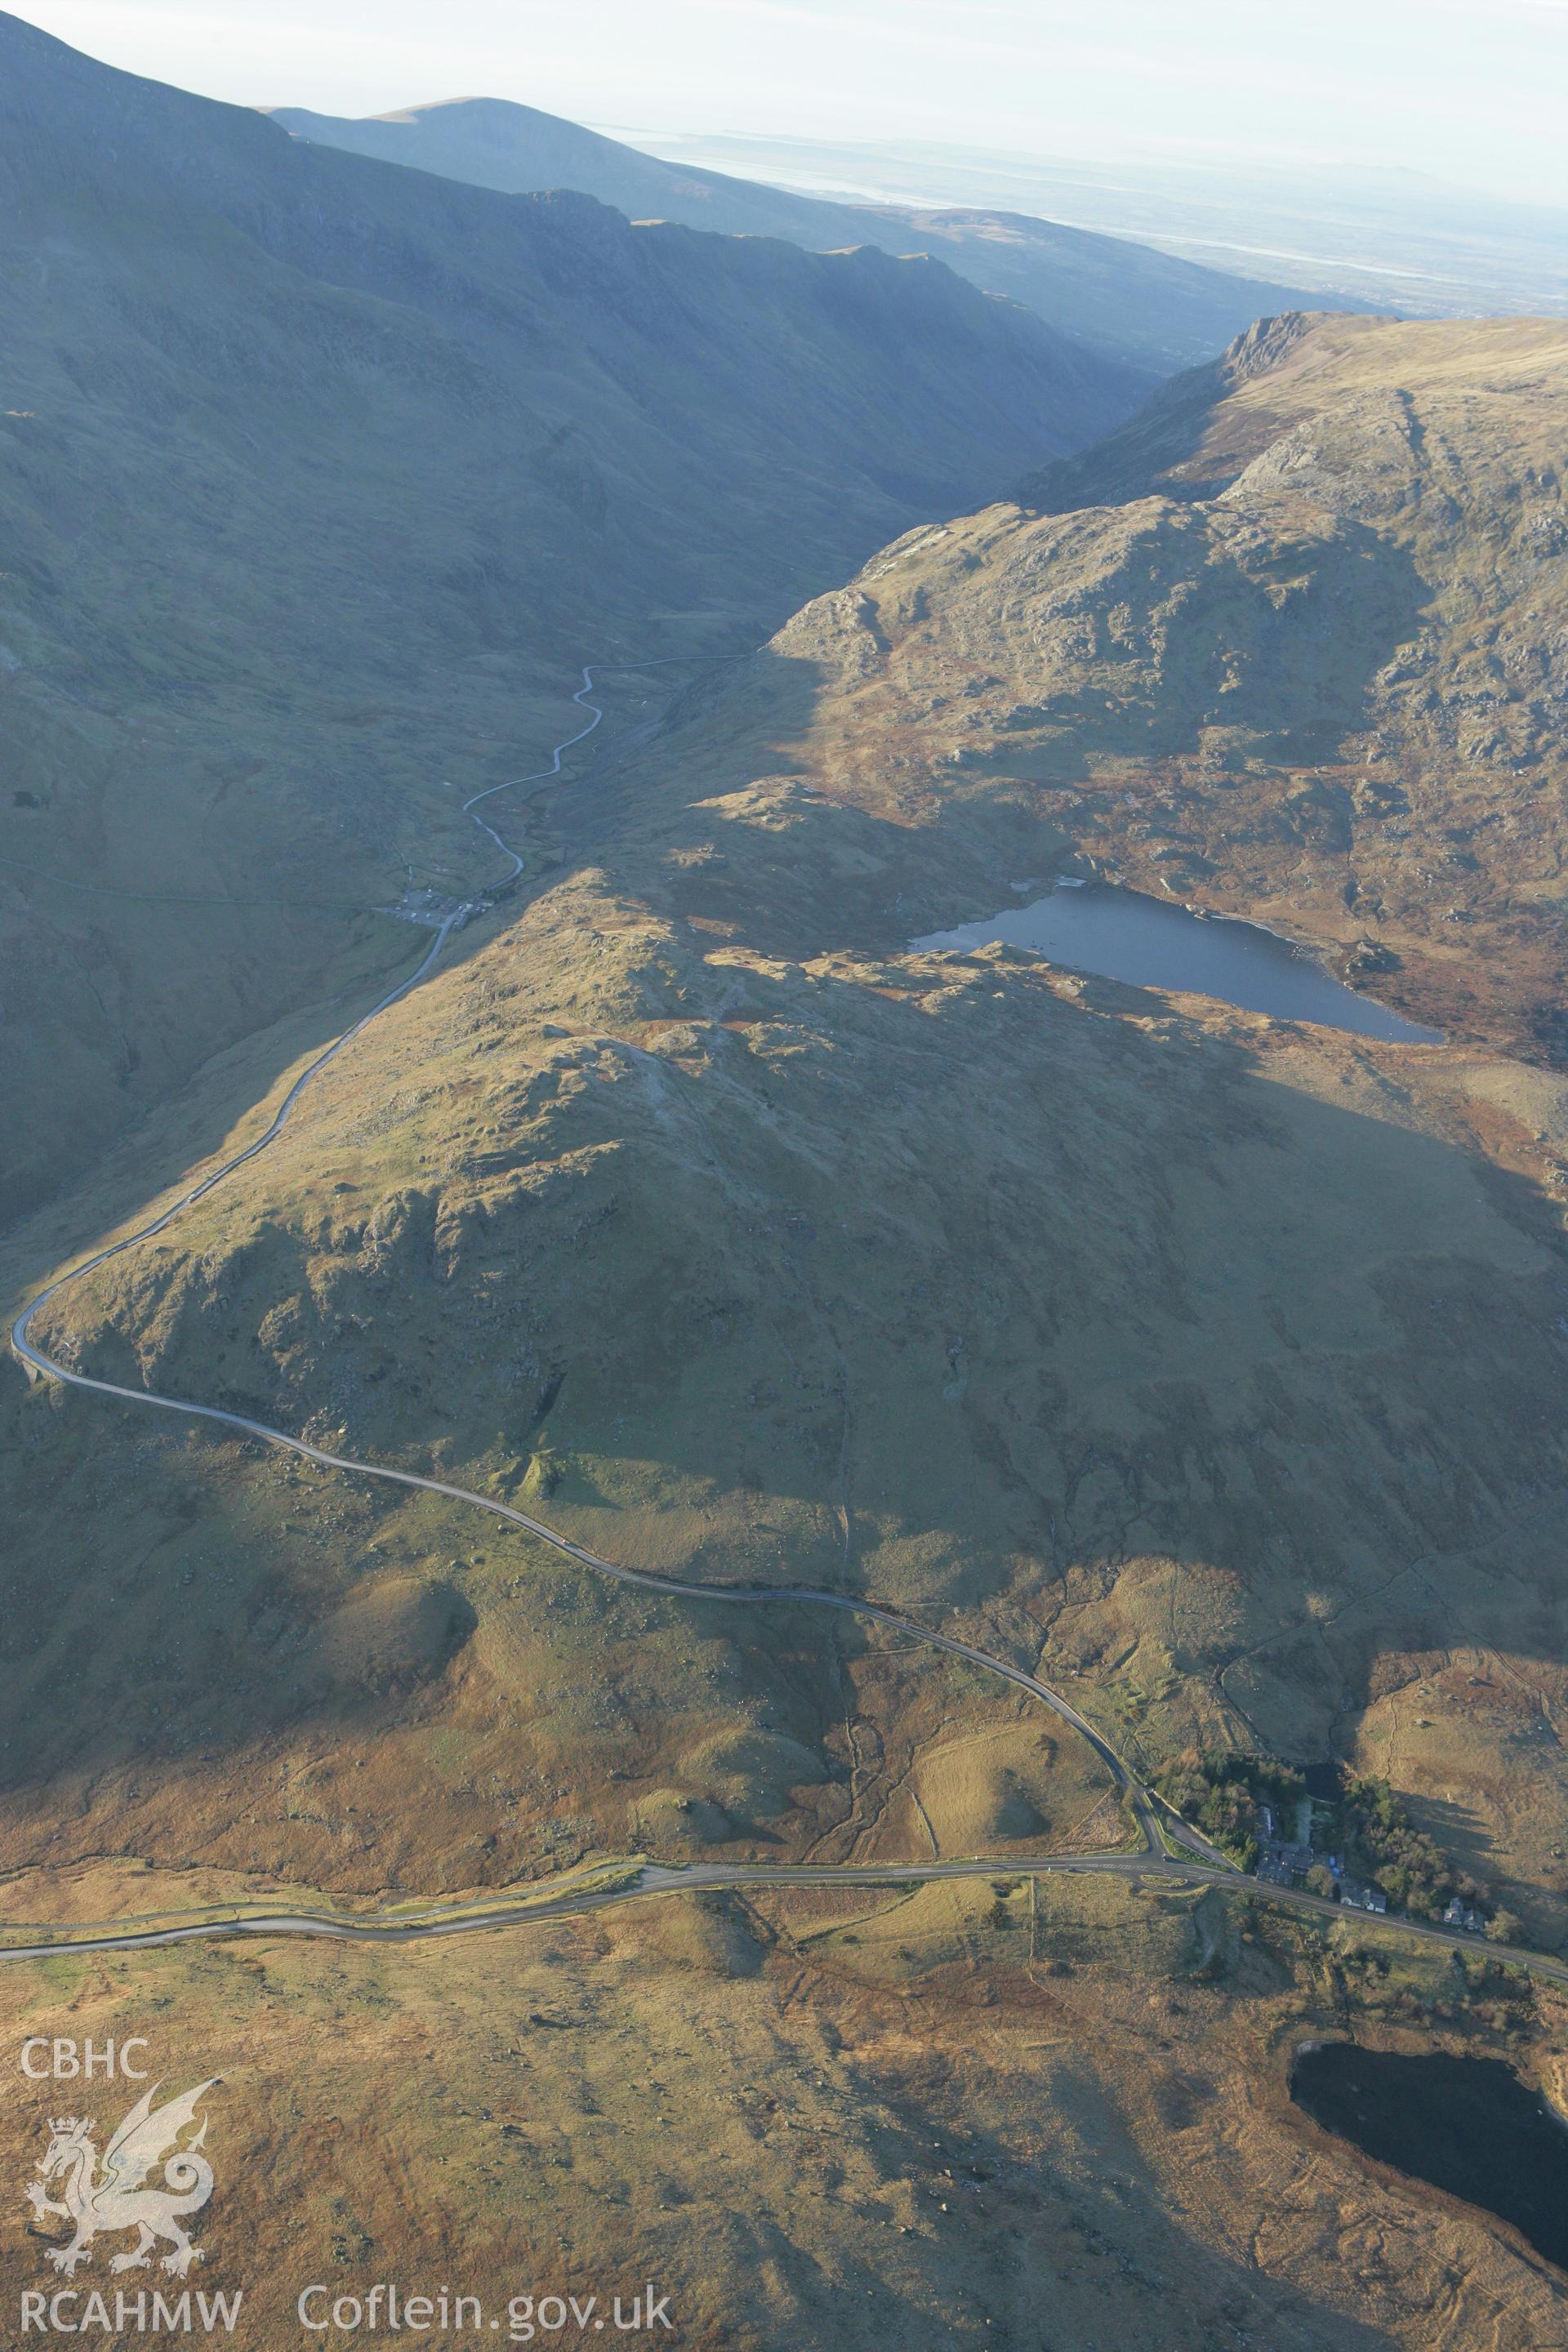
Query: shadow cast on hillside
x=1150, y=1359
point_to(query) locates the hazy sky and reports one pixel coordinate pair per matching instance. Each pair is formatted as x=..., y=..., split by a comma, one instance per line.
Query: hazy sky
x=1476, y=90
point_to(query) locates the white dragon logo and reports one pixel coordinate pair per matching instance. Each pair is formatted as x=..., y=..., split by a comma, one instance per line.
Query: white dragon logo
x=101, y=2202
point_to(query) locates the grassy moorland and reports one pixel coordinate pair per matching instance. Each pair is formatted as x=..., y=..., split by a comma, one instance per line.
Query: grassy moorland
x=1207, y=1365
x=318, y=480
x=1200, y=1359
x=919, y=2117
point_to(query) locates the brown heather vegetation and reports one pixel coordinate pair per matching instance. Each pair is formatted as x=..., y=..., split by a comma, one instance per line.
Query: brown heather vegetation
x=1212, y=1366
x=856, y=2121
x=1207, y=1361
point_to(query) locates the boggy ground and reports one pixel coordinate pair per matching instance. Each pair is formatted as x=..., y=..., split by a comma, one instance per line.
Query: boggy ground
x=925, y=2117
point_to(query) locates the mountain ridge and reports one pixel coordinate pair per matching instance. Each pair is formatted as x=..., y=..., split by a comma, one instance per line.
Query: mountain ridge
x=1153, y=1329
x=1279, y=647
x=1148, y=309
x=1198, y=1367
x=319, y=477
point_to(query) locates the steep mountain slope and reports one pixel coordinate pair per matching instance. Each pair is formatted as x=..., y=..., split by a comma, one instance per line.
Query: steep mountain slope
x=1208, y=1367
x=1148, y=309
x=1285, y=645
x=1207, y=1363
x=317, y=478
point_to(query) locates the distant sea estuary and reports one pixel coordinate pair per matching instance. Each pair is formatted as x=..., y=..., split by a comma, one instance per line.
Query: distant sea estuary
x=1147, y=942
x=1466, y=2124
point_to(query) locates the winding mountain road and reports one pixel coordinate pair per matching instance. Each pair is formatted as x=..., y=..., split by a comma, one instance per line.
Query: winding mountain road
x=1207, y=1867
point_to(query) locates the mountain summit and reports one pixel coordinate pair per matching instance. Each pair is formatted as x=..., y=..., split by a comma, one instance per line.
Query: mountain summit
x=1146, y=308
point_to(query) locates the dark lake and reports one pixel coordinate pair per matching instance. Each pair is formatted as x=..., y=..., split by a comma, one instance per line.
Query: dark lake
x=1466, y=2124
x=1150, y=943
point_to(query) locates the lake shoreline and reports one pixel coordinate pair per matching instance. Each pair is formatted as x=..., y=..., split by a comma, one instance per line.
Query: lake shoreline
x=1091, y=925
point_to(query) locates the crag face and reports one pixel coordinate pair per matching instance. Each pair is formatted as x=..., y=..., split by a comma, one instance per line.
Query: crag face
x=782, y=1555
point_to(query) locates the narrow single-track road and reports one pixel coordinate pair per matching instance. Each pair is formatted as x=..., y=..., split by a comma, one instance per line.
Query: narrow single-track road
x=660, y=1879
x=1209, y=1867
x=50, y=1367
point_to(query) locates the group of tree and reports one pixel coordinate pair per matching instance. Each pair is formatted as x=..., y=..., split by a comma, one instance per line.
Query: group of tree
x=1383, y=1844
x=1223, y=1796
x=1366, y=1827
